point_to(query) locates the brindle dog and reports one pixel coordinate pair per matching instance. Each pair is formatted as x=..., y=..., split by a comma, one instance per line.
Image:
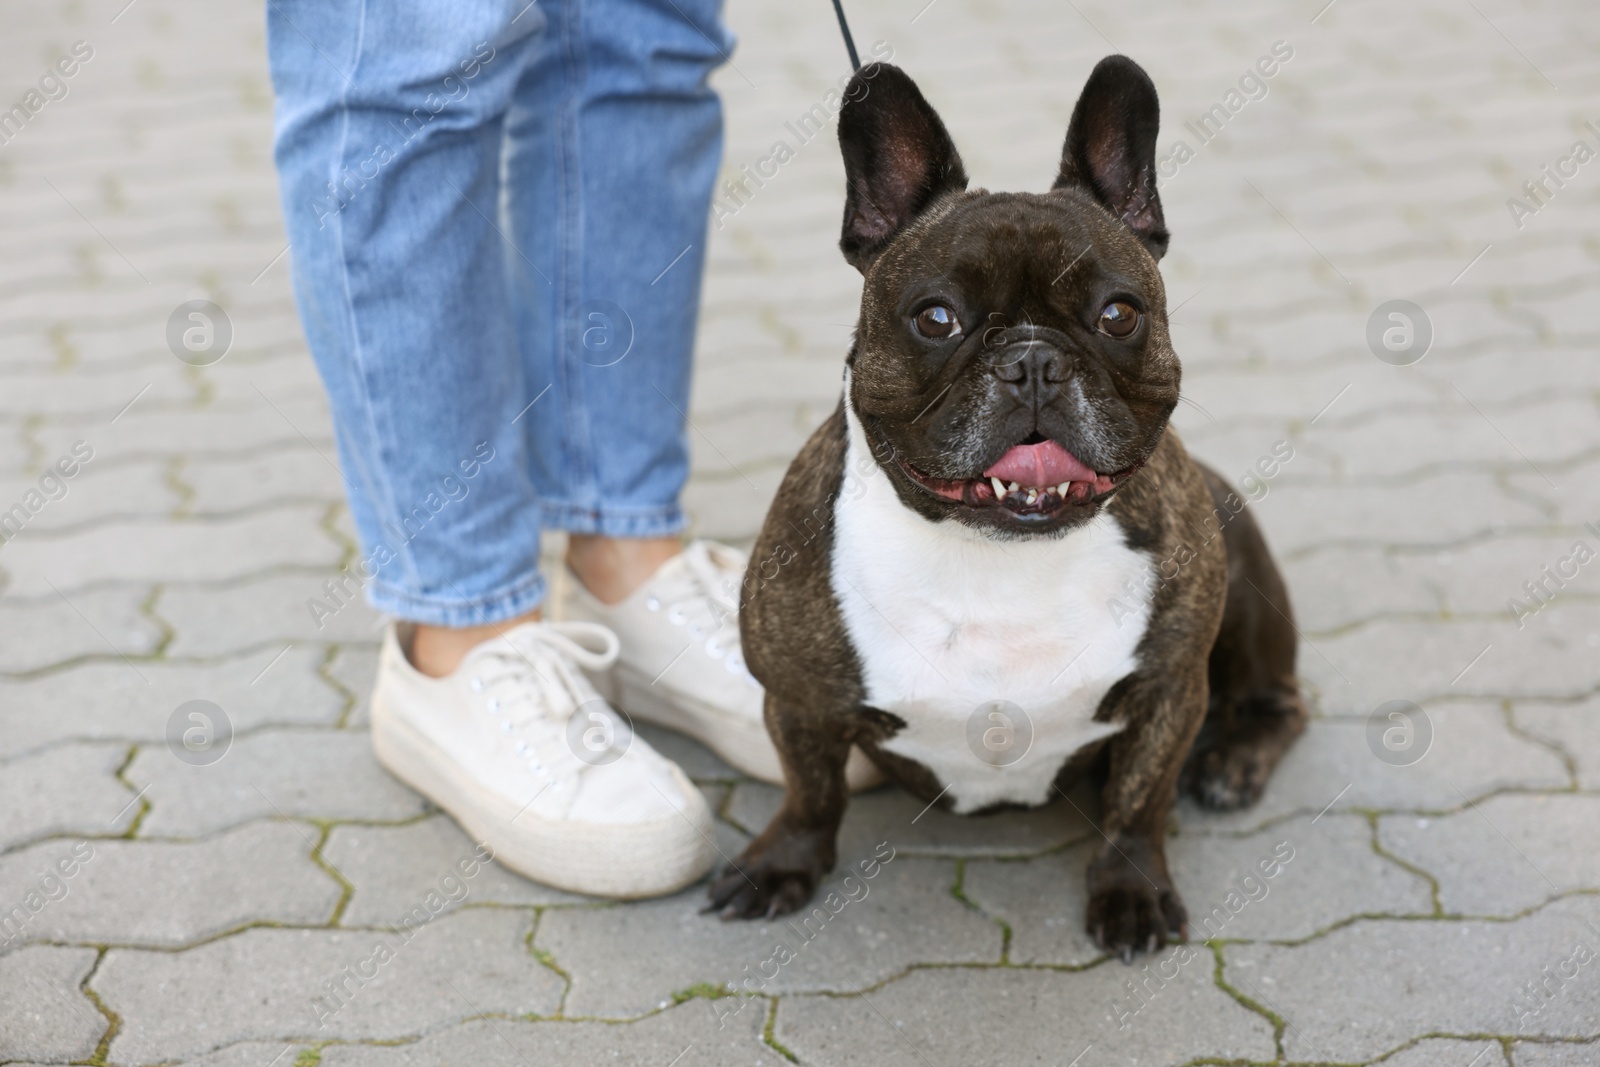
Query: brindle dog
x=998, y=516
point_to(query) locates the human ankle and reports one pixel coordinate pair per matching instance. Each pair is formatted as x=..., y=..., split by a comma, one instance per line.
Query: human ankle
x=437, y=651
x=611, y=568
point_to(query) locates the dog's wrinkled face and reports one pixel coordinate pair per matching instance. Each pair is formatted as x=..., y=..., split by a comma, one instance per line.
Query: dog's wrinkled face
x=1012, y=366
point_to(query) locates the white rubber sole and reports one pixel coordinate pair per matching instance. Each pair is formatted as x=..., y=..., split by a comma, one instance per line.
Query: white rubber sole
x=625, y=861
x=744, y=748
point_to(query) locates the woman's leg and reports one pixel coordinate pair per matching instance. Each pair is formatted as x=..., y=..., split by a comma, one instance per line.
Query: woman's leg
x=613, y=143
x=390, y=126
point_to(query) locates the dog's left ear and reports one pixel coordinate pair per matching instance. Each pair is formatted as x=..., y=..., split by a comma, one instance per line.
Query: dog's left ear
x=898, y=159
x=1111, y=148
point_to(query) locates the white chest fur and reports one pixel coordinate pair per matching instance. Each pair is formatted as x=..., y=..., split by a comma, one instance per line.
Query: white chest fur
x=951, y=625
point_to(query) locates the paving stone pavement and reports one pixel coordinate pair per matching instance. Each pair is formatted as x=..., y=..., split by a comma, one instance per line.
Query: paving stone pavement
x=1441, y=911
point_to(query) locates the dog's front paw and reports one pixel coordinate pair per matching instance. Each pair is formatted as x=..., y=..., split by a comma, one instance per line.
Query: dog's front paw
x=1127, y=916
x=768, y=879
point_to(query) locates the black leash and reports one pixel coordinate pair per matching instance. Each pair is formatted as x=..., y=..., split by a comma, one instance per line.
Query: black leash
x=849, y=42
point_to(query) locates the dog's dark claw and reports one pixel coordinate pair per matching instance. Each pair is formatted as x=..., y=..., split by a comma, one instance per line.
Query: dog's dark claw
x=755, y=888
x=1131, y=918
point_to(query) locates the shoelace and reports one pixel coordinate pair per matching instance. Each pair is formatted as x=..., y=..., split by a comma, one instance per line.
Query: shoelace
x=533, y=684
x=705, y=602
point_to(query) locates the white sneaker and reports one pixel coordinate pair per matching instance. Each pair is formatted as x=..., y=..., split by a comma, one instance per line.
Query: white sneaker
x=518, y=747
x=681, y=664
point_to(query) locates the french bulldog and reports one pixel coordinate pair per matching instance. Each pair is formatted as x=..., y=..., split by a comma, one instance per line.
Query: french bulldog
x=995, y=568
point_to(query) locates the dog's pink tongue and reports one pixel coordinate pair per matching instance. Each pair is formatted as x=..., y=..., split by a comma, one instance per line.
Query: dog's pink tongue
x=1045, y=463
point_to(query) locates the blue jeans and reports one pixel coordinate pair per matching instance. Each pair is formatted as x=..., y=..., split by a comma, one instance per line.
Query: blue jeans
x=498, y=216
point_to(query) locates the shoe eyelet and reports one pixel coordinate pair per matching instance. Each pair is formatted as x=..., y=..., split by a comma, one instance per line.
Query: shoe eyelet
x=477, y=684
x=653, y=603
x=714, y=648
x=492, y=707
x=520, y=748
x=696, y=632
x=676, y=617
x=505, y=726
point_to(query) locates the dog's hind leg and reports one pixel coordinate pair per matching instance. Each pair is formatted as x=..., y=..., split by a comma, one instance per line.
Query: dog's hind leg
x=1256, y=710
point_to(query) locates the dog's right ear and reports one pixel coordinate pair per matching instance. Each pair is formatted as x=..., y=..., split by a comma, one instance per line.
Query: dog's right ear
x=898, y=159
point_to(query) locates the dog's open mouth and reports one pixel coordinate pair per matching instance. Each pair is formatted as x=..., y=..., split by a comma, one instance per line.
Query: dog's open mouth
x=1031, y=479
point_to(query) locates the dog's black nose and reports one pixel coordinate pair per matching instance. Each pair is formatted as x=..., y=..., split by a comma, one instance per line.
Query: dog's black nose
x=1030, y=363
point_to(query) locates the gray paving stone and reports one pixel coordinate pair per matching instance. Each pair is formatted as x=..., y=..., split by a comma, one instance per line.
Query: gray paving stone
x=1574, y=727
x=61, y=391
x=890, y=813
x=394, y=867
x=1330, y=875
x=1472, y=753
x=105, y=700
x=1234, y=449
x=69, y=789
x=250, y=424
x=1486, y=576
x=47, y=1017
x=266, y=983
x=993, y=1017
x=691, y=1031
x=1435, y=511
x=1572, y=501
x=253, y=1054
x=289, y=474
x=188, y=551
x=728, y=510
x=213, y=620
x=1564, y=1054
x=356, y=667
x=1442, y=1052
x=294, y=773
x=43, y=631
x=697, y=761
x=1042, y=900
x=162, y=893
x=625, y=961
x=1388, y=658
x=1282, y=395
x=98, y=492
x=281, y=366
x=761, y=436
x=1453, y=434
x=1504, y=854
x=1377, y=984
x=1335, y=587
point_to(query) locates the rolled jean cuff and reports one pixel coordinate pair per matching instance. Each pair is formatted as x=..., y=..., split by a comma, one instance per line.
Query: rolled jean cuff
x=455, y=612
x=658, y=521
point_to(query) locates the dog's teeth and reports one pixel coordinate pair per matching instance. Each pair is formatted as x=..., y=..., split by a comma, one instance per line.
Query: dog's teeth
x=1013, y=487
x=1061, y=490
x=999, y=487
x=1033, y=494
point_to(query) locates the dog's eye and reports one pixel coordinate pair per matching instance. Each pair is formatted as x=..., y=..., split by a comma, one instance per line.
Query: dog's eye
x=1119, y=319
x=937, y=322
